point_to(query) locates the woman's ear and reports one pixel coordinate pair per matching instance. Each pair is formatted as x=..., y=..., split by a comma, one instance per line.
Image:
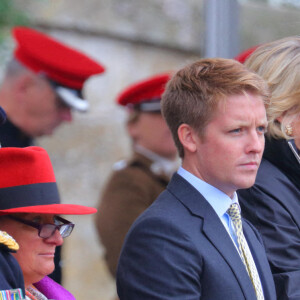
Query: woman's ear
x=186, y=135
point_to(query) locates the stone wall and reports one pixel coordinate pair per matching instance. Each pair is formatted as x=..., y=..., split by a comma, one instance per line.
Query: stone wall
x=172, y=23
x=168, y=23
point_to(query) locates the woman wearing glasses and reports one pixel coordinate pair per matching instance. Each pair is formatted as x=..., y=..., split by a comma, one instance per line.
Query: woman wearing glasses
x=30, y=211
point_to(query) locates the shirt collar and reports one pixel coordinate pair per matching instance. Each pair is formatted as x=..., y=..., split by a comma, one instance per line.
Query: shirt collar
x=219, y=201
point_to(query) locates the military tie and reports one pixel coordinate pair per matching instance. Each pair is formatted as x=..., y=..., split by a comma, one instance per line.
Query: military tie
x=245, y=253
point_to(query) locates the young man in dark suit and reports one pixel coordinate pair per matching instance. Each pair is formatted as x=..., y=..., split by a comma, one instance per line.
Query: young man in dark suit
x=192, y=243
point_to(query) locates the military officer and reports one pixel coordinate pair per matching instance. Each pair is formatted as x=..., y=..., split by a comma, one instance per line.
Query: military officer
x=42, y=84
x=136, y=182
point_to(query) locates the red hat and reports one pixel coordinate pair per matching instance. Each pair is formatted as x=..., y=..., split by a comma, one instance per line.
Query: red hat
x=245, y=54
x=145, y=95
x=27, y=184
x=65, y=66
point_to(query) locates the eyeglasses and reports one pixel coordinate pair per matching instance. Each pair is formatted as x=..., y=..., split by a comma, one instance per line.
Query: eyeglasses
x=47, y=230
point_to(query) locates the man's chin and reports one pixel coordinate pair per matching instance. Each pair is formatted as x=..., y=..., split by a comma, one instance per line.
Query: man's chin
x=246, y=185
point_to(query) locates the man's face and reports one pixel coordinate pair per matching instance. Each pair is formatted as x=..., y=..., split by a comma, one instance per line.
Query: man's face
x=43, y=110
x=229, y=153
x=152, y=132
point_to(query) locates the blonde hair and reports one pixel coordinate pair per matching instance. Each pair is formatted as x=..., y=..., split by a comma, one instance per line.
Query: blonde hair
x=278, y=63
x=194, y=92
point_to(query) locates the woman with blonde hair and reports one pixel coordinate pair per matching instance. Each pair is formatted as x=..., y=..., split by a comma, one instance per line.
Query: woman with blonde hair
x=273, y=203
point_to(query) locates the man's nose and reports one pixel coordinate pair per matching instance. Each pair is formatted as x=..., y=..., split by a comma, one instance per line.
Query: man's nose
x=256, y=142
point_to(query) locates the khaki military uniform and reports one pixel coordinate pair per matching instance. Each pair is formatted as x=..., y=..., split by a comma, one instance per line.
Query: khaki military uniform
x=129, y=191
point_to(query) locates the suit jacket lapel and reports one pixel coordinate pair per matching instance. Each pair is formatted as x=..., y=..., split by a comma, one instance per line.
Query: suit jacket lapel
x=213, y=229
x=219, y=237
x=260, y=259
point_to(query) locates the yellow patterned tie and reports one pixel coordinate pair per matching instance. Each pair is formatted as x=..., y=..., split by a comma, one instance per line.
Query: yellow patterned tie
x=245, y=253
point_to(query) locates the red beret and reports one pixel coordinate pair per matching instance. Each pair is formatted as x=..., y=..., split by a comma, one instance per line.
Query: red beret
x=28, y=185
x=64, y=65
x=245, y=54
x=145, y=95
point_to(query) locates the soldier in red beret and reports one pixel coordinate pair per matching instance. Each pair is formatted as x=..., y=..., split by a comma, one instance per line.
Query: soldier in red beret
x=41, y=85
x=136, y=182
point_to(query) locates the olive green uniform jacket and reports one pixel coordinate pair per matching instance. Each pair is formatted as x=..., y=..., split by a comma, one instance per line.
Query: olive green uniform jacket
x=129, y=191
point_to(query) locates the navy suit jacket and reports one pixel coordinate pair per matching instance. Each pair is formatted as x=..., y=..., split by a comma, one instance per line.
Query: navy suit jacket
x=179, y=249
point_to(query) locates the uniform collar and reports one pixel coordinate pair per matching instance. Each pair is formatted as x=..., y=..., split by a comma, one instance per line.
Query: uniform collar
x=160, y=165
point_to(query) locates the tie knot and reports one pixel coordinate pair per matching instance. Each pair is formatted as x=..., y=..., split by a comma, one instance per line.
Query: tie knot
x=234, y=211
